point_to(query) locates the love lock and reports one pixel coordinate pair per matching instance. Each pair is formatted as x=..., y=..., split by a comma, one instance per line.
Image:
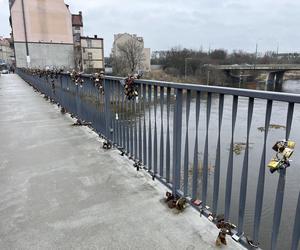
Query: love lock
x=130, y=88
x=81, y=123
x=284, y=150
x=98, y=81
x=137, y=165
x=76, y=77
x=63, y=110
x=53, y=86
x=122, y=150
x=107, y=145
x=251, y=243
x=175, y=201
x=225, y=229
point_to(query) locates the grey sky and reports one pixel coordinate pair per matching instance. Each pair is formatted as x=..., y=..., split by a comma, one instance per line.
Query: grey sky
x=228, y=24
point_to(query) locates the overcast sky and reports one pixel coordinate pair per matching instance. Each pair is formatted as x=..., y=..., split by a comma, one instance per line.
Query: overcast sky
x=228, y=24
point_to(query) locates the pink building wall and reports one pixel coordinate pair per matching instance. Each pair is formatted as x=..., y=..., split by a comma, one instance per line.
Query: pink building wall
x=46, y=21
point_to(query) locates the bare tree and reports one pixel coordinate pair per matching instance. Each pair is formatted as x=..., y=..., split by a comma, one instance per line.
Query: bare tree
x=132, y=53
x=119, y=65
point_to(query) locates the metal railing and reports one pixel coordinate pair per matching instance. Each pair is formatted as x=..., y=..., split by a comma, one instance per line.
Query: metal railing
x=185, y=136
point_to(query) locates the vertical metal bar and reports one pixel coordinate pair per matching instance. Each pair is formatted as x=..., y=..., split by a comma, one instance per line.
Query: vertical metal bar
x=281, y=184
x=140, y=123
x=218, y=158
x=296, y=231
x=261, y=177
x=186, y=151
x=205, y=158
x=118, y=114
x=161, y=148
x=230, y=161
x=144, y=127
x=127, y=114
x=155, y=132
x=107, y=110
x=135, y=114
x=122, y=122
x=195, y=164
x=150, y=130
x=289, y=120
x=131, y=119
x=115, y=109
x=244, y=176
x=177, y=128
x=168, y=153
x=113, y=120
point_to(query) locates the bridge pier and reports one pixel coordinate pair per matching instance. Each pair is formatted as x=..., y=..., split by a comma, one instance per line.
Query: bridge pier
x=270, y=78
x=275, y=77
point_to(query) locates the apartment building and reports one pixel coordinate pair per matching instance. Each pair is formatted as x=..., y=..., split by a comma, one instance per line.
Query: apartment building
x=42, y=33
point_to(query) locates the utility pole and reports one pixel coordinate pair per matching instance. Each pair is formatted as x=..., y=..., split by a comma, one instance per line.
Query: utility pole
x=208, y=76
x=25, y=33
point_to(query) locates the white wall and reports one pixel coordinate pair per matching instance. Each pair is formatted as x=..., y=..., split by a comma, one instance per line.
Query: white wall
x=42, y=55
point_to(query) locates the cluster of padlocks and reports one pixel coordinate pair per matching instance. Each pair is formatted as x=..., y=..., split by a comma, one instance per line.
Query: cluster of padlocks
x=76, y=77
x=130, y=88
x=284, y=150
x=98, y=78
x=48, y=73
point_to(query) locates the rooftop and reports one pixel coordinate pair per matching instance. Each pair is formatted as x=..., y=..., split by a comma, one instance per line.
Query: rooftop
x=77, y=20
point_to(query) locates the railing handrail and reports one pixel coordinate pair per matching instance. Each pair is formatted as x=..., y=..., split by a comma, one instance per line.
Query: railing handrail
x=268, y=95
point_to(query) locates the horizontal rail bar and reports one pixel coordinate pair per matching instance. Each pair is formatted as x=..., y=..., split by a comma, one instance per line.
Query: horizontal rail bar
x=275, y=96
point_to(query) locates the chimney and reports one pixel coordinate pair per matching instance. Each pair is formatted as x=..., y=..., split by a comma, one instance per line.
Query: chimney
x=80, y=13
x=95, y=36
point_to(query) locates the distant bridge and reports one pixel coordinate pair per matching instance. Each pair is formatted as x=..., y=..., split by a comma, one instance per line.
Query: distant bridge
x=275, y=71
x=263, y=67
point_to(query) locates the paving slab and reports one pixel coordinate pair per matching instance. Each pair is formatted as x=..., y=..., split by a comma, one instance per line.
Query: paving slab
x=60, y=190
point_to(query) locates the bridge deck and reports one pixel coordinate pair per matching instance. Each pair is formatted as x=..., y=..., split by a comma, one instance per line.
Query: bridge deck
x=60, y=190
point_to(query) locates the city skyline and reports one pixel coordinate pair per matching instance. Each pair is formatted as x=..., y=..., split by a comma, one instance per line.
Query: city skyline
x=227, y=24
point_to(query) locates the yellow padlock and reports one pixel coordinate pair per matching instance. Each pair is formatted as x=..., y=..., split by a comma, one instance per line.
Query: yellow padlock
x=291, y=144
x=273, y=164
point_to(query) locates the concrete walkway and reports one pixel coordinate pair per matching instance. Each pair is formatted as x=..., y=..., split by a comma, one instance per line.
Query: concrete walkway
x=60, y=190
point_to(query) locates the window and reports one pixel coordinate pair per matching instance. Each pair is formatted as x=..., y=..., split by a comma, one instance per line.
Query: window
x=90, y=56
x=89, y=43
x=77, y=37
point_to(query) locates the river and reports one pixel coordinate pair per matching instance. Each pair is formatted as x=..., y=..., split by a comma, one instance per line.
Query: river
x=256, y=143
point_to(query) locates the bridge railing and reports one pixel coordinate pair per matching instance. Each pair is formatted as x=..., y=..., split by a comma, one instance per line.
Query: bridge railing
x=187, y=136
